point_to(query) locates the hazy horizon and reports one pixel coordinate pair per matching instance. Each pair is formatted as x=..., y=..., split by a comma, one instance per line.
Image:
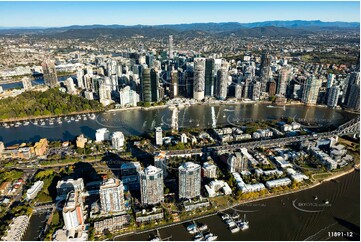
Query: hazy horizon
x=61, y=14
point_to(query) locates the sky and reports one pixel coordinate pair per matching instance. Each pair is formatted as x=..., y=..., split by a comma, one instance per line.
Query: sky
x=56, y=14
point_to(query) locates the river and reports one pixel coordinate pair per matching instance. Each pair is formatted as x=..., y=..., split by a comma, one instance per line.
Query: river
x=282, y=218
x=136, y=122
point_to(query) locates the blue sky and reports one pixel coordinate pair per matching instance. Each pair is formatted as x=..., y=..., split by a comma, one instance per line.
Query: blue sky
x=48, y=14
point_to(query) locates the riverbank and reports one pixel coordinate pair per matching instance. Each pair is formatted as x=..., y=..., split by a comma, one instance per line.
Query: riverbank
x=48, y=116
x=222, y=210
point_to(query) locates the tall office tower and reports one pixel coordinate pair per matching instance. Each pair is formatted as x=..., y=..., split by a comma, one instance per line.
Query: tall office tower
x=114, y=82
x=151, y=185
x=80, y=78
x=353, y=80
x=310, y=90
x=247, y=88
x=283, y=80
x=69, y=84
x=189, y=83
x=170, y=46
x=209, y=78
x=199, y=75
x=217, y=65
x=173, y=92
x=265, y=70
x=256, y=90
x=272, y=88
x=174, y=124
x=149, y=60
x=27, y=85
x=158, y=136
x=354, y=97
x=154, y=84
x=73, y=211
x=189, y=180
x=117, y=140
x=330, y=79
x=112, y=196
x=146, y=86
x=222, y=83
x=333, y=95
x=49, y=72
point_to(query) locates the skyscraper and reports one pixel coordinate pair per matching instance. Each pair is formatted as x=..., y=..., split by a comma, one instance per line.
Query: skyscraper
x=189, y=180
x=222, y=83
x=310, y=90
x=49, y=72
x=151, y=185
x=150, y=87
x=174, y=84
x=146, y=86
x=283, y=80
x=112, y=196
x=265, y=70
x=199, y=75
x=80, y=78
x=333, y=95
x=209, y=78
x=170, y=46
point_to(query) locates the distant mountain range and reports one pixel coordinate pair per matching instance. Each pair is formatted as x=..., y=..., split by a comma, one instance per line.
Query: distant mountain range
x=256, y=29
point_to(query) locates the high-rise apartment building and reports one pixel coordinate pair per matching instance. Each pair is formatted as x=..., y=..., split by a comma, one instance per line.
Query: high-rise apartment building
x=49, y=72
x=73, y=211
x=189, y=180
x=112, y=196
x=333, y=95
x=151, y=185
x=199, y=78
x=310, y=90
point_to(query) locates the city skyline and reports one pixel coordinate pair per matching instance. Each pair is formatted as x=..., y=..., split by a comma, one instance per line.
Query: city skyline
x=17, y=14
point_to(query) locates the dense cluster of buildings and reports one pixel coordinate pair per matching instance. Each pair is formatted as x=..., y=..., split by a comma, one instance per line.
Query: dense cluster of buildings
x=23, y=151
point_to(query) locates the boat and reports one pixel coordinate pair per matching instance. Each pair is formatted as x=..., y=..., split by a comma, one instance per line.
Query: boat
x=210, y=237
x=327, y=202
x=12, y=125
x=243, y=225
x=85, y=118
x=51, y=122
x=26, y=123
x=92, y=116
x=235, y=216
x=231, y=224
x=7, y=126
x=68, y=121
x=155, y=238
x=234, y=229
x=315, y=197
x=42, y=123
x=225, y=217
x=192, y=228
x=198, y=237
x=203, y=227
x=72, y=118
